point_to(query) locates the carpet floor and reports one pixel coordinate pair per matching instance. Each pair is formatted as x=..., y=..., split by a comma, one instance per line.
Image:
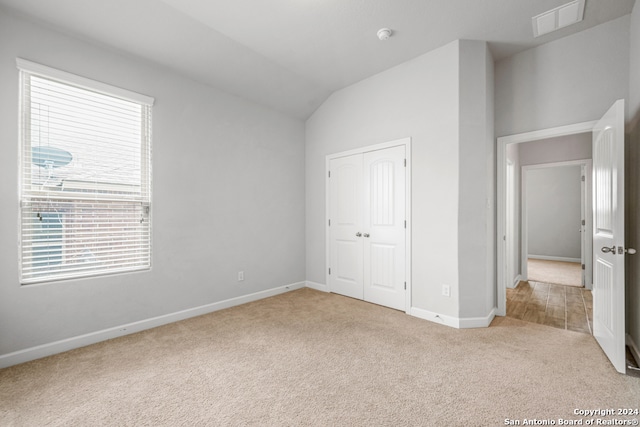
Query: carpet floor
x=555, y=272
x=308, y=358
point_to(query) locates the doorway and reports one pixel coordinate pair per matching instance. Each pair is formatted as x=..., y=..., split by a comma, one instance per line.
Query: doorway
x=508, y=150
x=548, y=243
x=608, y=229
x=556, y=219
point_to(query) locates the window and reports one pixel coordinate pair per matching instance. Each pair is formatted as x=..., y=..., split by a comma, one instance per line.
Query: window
x=85, y=169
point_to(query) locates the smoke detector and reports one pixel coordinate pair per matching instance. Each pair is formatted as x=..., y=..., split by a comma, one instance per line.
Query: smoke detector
x=384, y=33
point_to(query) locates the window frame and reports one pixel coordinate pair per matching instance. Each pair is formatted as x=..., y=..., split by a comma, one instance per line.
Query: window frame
x=27, y=70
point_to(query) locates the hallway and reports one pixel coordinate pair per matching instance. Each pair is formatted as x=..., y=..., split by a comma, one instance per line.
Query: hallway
x=563, y=307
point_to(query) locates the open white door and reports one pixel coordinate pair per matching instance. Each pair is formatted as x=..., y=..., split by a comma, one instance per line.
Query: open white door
x=608, y=235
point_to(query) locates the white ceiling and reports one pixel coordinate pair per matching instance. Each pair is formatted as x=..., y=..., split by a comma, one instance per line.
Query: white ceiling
x=292, y=54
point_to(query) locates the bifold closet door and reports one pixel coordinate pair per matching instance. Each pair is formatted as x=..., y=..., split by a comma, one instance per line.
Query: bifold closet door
x=367, y=203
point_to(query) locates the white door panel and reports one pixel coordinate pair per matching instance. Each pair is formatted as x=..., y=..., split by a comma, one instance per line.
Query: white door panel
x=346, y=213
x=608, y=235
x=367, y=211
x=384, y=214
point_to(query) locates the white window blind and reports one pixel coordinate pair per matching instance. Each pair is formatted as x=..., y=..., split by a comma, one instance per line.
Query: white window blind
x=85, y=177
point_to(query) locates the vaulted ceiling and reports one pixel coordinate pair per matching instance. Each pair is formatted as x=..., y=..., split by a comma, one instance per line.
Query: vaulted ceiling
x=290, y=55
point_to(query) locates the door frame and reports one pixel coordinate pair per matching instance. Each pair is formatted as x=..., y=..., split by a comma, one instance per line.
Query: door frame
x=406, y=142
x=510, y=222
x=501, y=164
x=585, y=209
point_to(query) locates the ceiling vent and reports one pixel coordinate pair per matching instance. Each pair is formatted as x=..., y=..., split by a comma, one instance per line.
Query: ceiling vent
x=557, y=18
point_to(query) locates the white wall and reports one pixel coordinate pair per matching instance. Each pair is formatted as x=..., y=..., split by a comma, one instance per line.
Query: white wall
x=417, y=99
x=554, y=150
x=571, y=80
x=553, y=200
x=228, y=195
x=476, y=210
x=420, y=99
x=632, y=182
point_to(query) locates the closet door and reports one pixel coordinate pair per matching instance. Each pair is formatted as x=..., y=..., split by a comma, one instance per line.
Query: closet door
x=384, y=231
x=367, y=230
x=345, y=213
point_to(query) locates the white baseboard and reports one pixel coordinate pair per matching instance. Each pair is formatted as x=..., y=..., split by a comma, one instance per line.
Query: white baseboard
x=554, y=258
x=454, y=322
x=441, y=319
x=477, y=322
x=635, y=350
x=56, y=347
x=515, y=281
x=317, y=286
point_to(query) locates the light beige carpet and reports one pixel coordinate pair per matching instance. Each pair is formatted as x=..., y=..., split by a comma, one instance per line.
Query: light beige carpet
x=308, y=358
x=554, y=272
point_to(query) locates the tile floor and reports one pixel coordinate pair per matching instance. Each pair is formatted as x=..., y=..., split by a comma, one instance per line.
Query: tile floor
x=564, y=307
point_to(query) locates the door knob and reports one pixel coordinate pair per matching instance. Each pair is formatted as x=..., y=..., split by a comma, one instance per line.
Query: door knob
x=366, y=234
x=358, y=234
x=607, y=249
x=630, y=251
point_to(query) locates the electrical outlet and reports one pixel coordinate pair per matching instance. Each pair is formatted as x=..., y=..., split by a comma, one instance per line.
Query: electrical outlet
x=240, y=276
x=446, y=291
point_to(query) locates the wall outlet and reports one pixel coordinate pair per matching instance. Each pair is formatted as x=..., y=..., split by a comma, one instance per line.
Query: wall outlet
x=446, y=291
x=240, y=276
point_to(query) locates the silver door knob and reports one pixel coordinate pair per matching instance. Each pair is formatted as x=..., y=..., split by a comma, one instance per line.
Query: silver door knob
x=630, y=251
x=607, y=249
x=366, y=234
x=358, y=234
